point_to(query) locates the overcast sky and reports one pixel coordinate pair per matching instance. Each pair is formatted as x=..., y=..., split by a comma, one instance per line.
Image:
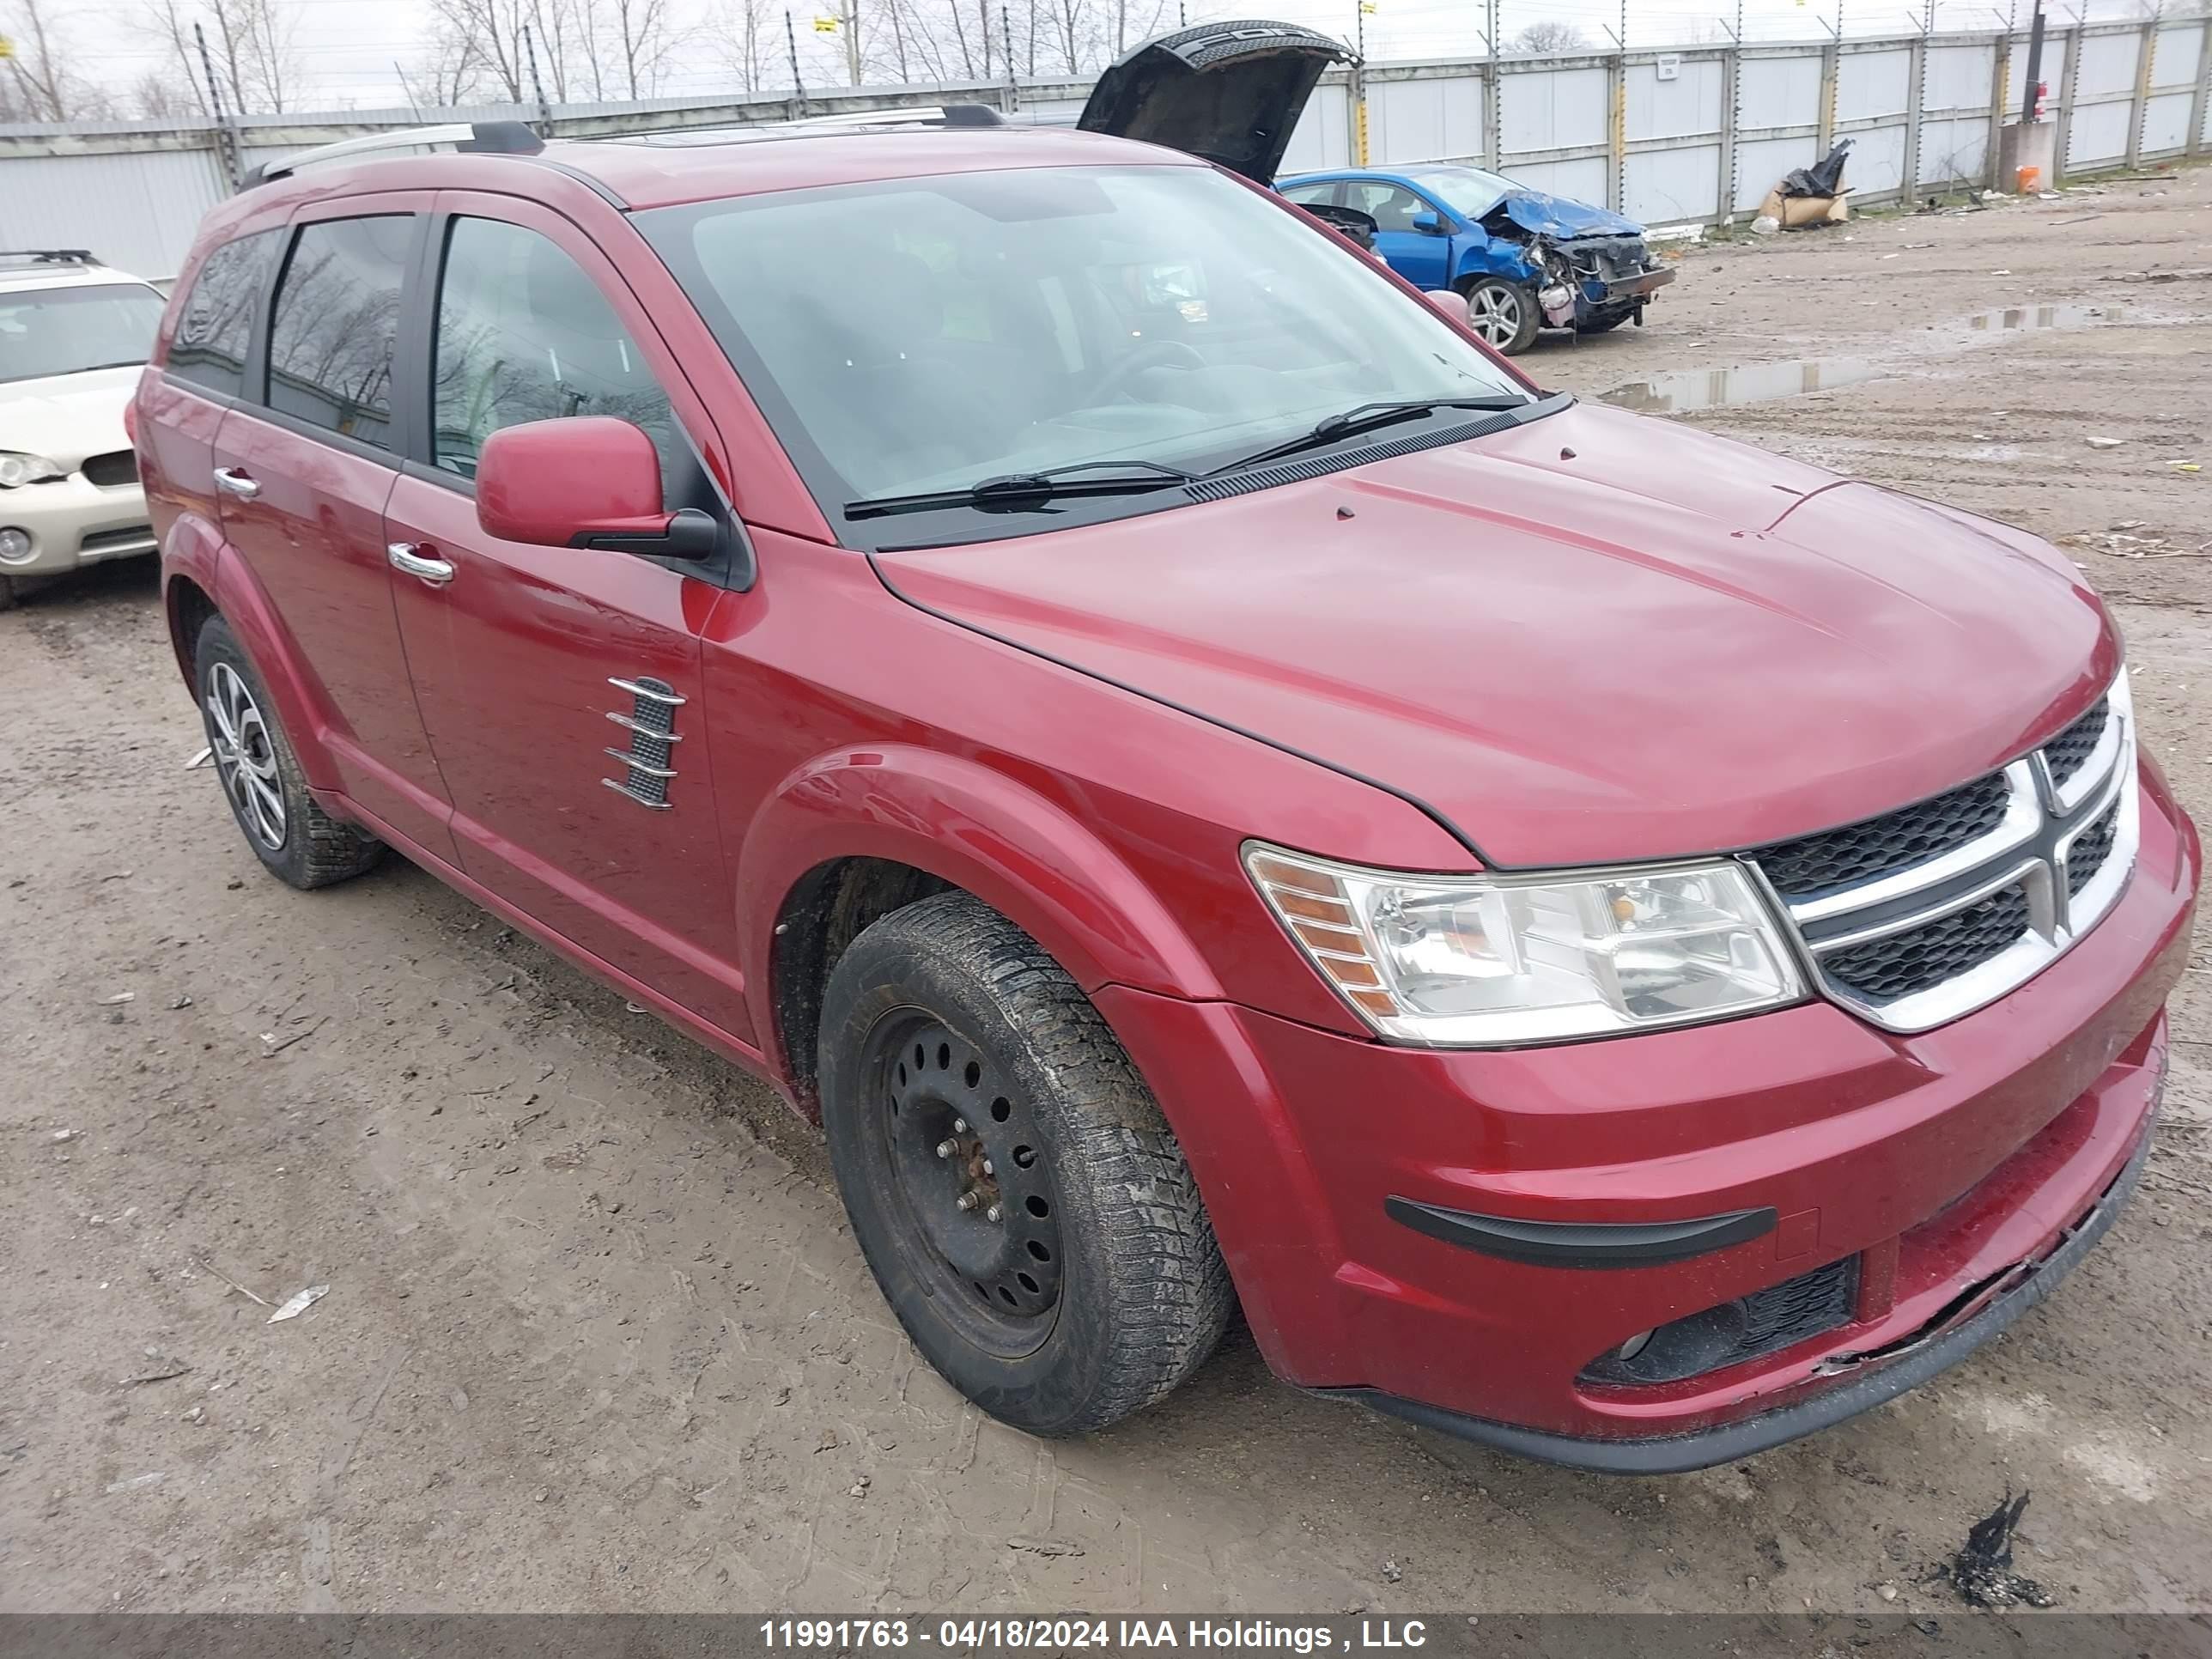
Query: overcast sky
x=348, y=48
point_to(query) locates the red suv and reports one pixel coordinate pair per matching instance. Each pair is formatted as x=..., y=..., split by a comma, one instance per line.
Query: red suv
x=1212, y=788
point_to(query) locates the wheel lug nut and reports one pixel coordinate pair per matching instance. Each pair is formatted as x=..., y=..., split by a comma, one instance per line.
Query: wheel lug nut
x=996, y=1212
x=987, y=1170
x=967, y=1200
x=959, y=1126
x=946, y=1149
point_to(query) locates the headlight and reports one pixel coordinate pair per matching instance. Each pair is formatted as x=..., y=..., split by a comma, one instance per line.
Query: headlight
x=1472, y=961
x=17, y=469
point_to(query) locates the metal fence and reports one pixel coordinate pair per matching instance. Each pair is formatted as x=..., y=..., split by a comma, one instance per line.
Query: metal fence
x=1698, y=134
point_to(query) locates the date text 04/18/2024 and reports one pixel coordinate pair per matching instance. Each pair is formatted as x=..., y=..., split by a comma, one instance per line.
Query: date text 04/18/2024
x=956, y=1635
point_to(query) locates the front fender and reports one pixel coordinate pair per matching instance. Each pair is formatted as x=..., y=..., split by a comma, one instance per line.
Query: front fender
x=1024, y=855
x=197, y=551
x=1487, y=255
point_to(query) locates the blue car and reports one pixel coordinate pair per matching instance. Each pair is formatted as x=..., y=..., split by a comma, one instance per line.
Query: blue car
x=1524, y=259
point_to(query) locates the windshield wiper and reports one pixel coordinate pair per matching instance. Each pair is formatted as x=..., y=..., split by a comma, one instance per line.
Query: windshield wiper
x=1365, y=417
x=1021, y=490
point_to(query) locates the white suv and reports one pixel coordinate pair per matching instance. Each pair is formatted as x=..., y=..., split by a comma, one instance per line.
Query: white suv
x=73, y=337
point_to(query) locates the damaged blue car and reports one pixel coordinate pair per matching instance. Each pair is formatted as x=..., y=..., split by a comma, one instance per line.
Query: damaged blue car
x=1524, y=259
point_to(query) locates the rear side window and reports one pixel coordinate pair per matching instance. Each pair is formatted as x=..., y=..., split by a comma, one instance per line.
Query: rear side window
x=1324, y=194
x=336, y=316
x=524, y=335
x=212, y=336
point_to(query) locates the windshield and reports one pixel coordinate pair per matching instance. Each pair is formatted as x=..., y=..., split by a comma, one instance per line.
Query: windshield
x=919, y=335
x=1469, y=191
x=66, y=330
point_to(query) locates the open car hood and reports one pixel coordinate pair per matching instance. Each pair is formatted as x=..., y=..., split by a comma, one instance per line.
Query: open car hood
x=1230, y=93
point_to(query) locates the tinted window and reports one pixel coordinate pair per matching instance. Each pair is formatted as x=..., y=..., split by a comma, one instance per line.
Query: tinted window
x=524, y=334
x=212, y=335
x=1322, y=194
x=1390, y=207
x=336, y=315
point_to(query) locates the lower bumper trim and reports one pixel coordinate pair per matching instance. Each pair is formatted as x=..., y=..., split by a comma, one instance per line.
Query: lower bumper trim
x=1727, y=1442
x=1579, y=1243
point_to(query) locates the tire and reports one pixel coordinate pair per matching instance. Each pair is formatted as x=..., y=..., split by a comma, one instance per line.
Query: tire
x=1097, y=1285
x=7, y=592
x=302, y=844
x=1504, y=314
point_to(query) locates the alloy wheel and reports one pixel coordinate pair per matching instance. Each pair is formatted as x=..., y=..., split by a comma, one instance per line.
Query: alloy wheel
x=1494, y=311
x=246, y=756
x=971, y=1188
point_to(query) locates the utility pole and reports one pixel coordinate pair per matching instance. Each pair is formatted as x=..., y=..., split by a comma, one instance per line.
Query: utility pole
x=797, y=109
x=226, y=138
x=1359, y=83
x=853, y=42
x=536, y=86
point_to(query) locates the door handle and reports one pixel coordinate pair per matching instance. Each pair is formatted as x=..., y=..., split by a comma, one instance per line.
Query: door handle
x=411, y=559
x=231, y=481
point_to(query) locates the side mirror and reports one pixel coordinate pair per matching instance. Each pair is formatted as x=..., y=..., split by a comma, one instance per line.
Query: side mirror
x=1447, y=303
x=589, y=481
x=1429, y=224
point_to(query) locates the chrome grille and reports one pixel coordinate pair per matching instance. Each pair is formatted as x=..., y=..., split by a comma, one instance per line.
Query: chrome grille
x=1928, y=913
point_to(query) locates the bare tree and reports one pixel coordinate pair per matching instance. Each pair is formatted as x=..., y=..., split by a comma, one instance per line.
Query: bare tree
x=1552, y=37
x=642, y=41
x=447, y=72
x=162, y=96
x=250, y=42
x=742, y=40
x=42, y=76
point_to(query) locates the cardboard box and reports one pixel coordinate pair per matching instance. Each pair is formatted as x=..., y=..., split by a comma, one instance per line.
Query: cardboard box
x=1795, y=212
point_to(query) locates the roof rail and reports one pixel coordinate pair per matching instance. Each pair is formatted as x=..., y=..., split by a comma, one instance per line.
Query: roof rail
x=483, y=137
x=919, y=115
x=46, y=255
x=819, y=126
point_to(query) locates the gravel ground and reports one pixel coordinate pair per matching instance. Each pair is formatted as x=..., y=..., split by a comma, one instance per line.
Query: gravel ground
x=597, y=1337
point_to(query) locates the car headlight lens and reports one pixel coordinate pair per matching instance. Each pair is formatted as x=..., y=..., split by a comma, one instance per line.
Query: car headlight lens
x=17, y=469
x=1473, y=962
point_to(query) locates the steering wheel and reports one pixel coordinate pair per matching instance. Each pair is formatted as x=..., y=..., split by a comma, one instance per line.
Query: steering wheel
x=1154, y=354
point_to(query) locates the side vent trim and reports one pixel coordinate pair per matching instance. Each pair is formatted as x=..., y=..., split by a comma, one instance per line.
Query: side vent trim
x=651, y=722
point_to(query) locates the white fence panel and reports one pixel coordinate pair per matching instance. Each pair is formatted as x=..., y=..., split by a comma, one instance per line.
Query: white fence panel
x=2108, y=63
x=2165, y=122
x=137, y=211
x=1780, y=91
x=1687, y=106
x=1427, y=121
x=1877, y=162
x=2173, y=68
x=1760, y=165
x=1954, y=150
x=1665, y=185
x=1870, y=83
x=1958, y=77
x=1552, y=109
x=2098, y=134
x=1322, y=138
x=1584, y=180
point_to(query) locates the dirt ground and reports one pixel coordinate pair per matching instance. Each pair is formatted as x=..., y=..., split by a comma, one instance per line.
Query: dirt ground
x=596, y=1336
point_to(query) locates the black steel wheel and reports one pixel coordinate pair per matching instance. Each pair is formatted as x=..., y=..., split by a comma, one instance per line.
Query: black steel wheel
x=971, y=1191
x=1010, y=1180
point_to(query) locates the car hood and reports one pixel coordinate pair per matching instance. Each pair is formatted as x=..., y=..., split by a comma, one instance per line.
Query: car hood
x=1595, y=637
x=1557, y=217
x=66, y=417
x=1230, y=93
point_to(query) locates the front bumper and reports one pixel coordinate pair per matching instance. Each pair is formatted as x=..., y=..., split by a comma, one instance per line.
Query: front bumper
x=1596, y=296
x=72, y=521
x=1956, y=1170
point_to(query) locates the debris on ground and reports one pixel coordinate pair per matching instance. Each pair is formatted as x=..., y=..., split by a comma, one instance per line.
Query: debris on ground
x=2105, y=443
x=153, y=1479
x=1981, y=1570
x=1808, y=198
x=860, y=1488
x=229, y=1281
x=62, y=1137
x=300, y=1304
x=2120, y=543
x=1046, y=1547
x=199, y=760
x=1393, y=1571
x=159, y=1369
